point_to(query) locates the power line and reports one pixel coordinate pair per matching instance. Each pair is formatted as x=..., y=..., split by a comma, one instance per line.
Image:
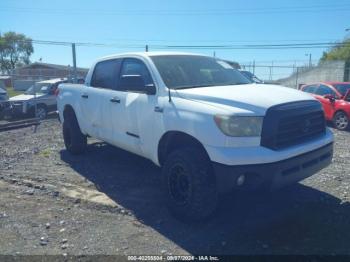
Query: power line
x=306, y=44
x=237, y=11
x=199, y=47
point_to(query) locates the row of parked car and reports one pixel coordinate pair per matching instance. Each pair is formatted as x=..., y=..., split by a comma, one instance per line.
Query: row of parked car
x=335, y=99
x=37, y=101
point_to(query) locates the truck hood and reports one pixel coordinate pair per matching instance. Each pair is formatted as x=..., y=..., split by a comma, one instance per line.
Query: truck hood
x=25, y=97
x=249, y=98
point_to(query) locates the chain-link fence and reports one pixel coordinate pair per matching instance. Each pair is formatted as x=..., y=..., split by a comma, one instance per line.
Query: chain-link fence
x=294, y=75
x=41, y=76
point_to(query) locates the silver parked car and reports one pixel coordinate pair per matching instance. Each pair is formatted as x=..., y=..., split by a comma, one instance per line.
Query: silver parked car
x=40, y=96
x=251, y=77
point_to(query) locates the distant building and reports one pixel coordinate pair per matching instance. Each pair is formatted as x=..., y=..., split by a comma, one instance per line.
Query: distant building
x=41, y=71
x=6, y=81
x=24, y=77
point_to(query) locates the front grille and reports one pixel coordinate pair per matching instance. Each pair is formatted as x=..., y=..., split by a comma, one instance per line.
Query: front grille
x=293, y=123
x=4, y=104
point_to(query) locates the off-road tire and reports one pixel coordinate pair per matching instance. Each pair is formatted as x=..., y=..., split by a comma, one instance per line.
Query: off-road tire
x=74, y=140
x=202, y=196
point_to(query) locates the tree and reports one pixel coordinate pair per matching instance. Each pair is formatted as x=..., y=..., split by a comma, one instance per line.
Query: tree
x=15, y=50
x=338, y=52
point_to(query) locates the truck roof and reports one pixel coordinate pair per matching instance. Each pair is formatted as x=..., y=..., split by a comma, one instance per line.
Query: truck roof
x=52, y=81
x=148, y=54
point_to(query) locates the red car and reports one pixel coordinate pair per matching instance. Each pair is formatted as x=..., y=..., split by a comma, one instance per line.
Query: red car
x=335, y=98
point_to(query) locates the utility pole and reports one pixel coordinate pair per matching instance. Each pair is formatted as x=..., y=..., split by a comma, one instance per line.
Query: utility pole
x=146, y=49
x=74, y=64
x=214, y=54
x=296, y=78
x=310, y=61
x=271, y=71
x=294, y=66
x=253, y=67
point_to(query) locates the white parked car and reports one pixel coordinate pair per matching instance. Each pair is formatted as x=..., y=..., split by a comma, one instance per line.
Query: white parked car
x=40, y=96
x=208, y=128
x=3, y=100
x=3, y=94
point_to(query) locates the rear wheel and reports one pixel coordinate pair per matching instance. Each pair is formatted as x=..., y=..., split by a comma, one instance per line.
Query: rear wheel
x=74, y=140
x=190, y=184
x=341, y=120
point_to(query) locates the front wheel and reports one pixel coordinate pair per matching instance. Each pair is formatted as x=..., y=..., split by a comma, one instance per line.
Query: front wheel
x=341, y=120
x=41, y=112
x=190, y=184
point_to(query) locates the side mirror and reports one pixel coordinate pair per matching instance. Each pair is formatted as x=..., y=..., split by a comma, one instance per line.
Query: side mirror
x=132, y=83
x=136, y=83
x=150, y=89
x=330, y=97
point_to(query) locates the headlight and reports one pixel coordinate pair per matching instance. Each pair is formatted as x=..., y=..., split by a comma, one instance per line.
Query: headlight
x=239, y=125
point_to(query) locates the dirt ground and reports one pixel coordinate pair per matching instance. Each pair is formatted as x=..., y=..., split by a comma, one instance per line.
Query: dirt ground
x=108, y=201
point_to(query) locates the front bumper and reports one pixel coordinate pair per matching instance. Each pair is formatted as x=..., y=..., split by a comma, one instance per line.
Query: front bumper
x=15, y=109
x=13, y=112
x=273, y=175
x=239, y=154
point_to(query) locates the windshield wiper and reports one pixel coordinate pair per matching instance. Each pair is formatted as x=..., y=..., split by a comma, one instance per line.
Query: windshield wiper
x=194, y=86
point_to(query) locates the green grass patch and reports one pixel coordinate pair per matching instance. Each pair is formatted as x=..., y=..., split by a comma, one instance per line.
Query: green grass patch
x=45, y=153
x=11, y=92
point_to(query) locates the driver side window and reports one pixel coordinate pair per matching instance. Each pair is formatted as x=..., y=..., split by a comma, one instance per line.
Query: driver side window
x=133, y=66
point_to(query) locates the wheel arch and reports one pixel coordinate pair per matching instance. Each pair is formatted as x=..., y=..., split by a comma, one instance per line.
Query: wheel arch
x=68, y=111
x=341, y=110
x=172, y=140
x=32, y=107
x=42, y=105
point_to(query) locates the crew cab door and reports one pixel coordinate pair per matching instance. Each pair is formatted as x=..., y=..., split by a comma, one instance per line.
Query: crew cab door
x=139, y=118
x=96, y=106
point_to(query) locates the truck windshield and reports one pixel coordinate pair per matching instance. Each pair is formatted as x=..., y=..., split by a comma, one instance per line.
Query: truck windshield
x=251, y=77
x=191, y=71
x=39, y=89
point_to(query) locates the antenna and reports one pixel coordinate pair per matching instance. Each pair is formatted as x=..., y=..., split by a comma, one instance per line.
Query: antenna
x=169, y=94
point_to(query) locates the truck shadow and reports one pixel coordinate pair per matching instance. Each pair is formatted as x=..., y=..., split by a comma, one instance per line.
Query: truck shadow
x=296, y=220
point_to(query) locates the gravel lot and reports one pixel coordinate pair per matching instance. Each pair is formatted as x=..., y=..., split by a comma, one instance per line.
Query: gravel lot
x=108, y=201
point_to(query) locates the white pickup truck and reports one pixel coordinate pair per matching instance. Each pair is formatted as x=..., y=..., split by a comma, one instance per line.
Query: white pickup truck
x=203, y=122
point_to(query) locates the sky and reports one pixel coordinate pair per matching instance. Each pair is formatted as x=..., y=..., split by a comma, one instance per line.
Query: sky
x=123, y=26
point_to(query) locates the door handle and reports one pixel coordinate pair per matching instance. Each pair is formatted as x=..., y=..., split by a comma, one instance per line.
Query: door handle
x=158, y=109
x=85, y=96
x=115, y=100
